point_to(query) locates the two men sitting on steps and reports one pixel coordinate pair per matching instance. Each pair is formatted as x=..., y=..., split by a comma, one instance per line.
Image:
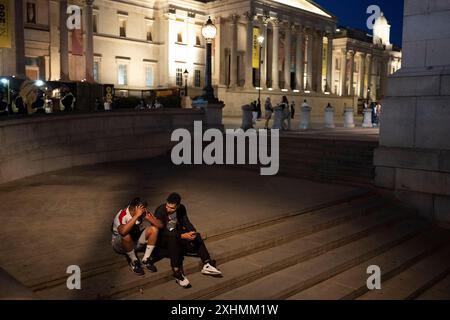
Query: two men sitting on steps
x=170, y=235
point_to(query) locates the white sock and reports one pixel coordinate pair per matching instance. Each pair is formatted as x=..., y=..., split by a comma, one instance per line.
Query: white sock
x=148, y=252
x=132, y=255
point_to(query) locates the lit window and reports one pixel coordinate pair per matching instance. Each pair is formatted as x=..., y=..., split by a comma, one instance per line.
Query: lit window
x=123, y=28
x=180, y=38
x=197, y=78
x=149, y=76
x=149, y=36
x=122, y=75
x=95, y=23
x=198, y=41
x=96, y=71
x=179, y=78
x=31, y=12
x=338, y=64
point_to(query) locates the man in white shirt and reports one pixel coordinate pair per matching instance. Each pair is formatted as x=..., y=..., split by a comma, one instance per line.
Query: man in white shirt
x=128, y=235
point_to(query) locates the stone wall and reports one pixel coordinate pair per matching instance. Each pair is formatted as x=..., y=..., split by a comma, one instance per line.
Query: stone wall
x=413, y=161
x=43, y=144
x=235, y=99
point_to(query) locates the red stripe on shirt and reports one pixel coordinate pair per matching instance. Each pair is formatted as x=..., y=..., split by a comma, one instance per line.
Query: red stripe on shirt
x=122, y=215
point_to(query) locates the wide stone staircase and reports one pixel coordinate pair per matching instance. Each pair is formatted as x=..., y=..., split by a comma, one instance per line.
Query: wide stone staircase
x=328, y=159
x=319, y=253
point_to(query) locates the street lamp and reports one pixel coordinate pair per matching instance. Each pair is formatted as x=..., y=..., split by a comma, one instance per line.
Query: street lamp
x=209, y=32
x=186, y=75
x=260, y=41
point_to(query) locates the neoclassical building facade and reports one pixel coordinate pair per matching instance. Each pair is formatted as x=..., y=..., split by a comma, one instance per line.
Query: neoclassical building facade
x=149, y=44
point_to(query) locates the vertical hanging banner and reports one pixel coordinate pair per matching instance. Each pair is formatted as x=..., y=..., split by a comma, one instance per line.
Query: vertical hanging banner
x=77, y=37
x=281, y=53
x=325, y=60
x=256, y=58
x=5, y=21
x=77, y=42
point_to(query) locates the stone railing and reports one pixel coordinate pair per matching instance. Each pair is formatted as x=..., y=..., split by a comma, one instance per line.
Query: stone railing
x=31, y=146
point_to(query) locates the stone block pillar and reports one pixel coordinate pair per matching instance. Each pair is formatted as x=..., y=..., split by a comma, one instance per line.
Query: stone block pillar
x=413, y=161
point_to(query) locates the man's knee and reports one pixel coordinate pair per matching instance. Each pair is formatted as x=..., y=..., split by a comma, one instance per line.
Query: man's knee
x=152, y=231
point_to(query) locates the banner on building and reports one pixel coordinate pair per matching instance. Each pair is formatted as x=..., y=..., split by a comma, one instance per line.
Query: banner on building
x=5, y=24
x=77, y=42
x=256, y=58
x=281, y=54
x=325, y=60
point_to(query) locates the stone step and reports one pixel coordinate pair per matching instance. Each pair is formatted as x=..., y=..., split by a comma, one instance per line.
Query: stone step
x=328, y=169
x=106, y=261
x=416, y=280
x=288, y=281
x=240, y=271
x=118, y=279
x=322, y=151
x=326, y=162
x=440, y=291
x=352, y=283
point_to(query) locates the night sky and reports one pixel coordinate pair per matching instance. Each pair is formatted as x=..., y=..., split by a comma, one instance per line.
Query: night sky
x=352, y=13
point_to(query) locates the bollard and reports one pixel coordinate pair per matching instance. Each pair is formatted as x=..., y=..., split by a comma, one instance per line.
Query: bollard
x=329, y=117
x=349, y=121
x=367, y=123
x=247, y=117
x=305, y=122
x=278, y=120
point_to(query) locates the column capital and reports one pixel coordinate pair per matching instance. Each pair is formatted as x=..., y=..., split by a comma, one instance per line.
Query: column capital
x=275, y=22
x=298, y=29
x=89, y=3
x=234, y=18
x=351, y=53
x=249, y=16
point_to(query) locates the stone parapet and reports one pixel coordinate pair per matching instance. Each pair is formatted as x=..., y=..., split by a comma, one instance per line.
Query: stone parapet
x=43, y=144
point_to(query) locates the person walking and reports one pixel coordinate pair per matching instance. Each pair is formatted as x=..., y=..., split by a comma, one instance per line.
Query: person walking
x=268, y=112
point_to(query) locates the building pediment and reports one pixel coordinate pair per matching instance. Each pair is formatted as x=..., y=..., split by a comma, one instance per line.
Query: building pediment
x=305, y=5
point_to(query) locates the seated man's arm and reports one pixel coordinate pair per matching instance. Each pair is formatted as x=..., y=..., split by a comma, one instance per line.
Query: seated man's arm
x=154, y=220
x=189, y=226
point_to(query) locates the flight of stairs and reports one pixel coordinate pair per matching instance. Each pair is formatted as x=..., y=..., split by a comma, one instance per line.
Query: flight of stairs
x=329, y=160
x=318, y=254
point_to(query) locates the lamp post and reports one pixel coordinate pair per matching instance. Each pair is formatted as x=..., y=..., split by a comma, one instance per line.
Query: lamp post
x=209, y=32
x=186, y=76
x=260, y=41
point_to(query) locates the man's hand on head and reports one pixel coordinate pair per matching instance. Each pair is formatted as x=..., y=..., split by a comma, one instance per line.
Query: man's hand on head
x=140, y=210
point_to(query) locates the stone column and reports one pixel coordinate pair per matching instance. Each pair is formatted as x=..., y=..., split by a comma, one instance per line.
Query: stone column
x=249, y=51
x=372, y=79
x=369, y=75
x=362, y=74
x=264, y=55
x=19, y=40
x=344, y=90
x=319, y=75
x=351, y=90
x=309, y=53
x=64, y=42
x=329, y=62
x=276, y=42
x=299, y=60
x=89, y=41
x=234, y=36
x=287, y=57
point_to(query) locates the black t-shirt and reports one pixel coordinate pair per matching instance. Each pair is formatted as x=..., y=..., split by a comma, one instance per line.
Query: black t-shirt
x=183, y=224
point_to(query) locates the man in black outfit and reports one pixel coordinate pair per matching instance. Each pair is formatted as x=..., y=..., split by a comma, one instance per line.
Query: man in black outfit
x=178, y=238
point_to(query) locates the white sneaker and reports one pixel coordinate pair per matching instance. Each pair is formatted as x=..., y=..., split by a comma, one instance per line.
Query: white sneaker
x=182, y=281
x=210, y=270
